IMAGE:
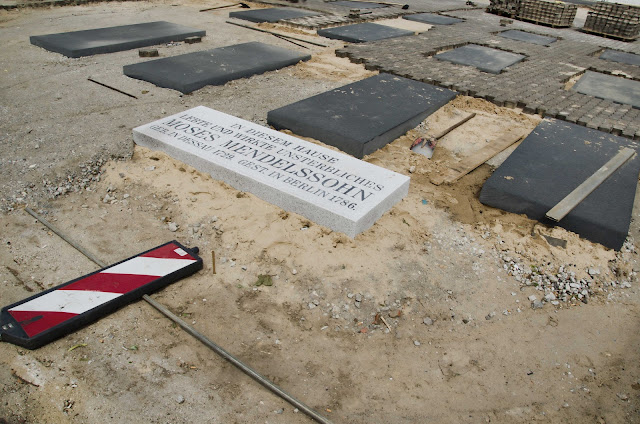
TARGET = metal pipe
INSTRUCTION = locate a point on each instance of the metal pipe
(195, 333)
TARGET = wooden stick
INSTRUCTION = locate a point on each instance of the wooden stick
(454, 126)
(276, 34)
(574, 198)
(442, 133)
(213, 261)
(470, 163)
(385, 322)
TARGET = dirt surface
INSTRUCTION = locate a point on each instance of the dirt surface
(425, 317)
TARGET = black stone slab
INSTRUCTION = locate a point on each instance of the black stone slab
(603, 86)
(527, 37)
(484, 58)
(271, 15)
(114, 39)
(357, 4)
(191, 71)
(361, 33)
(621, 57)
(362, 117)
(432, 18)
(550, 163)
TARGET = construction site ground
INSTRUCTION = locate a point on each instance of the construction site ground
(425, 317)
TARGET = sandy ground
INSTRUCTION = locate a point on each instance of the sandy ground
(459, 342)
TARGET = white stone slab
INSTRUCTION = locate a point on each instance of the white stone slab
(327, 187)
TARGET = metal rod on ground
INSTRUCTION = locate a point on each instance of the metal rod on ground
(242, 5)
(65, 238)
(192, 331)
(246, 369)
(581, 192)
(112, 88)
(276, 33)
(290, 41)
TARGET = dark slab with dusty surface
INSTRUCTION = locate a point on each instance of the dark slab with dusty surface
(603, 86)
(114, 39)
(362, 33)
(191, 71)
(362, 117)
(484, 58)
(271, 15)
(550, 163)
(432, 18)
(621, 57)
(528, 37)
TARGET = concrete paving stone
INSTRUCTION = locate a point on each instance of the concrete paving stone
(432, 18)
(362, 117)
(271, 14)
(556, 155)
(114, 39)
(621, 57)
(361, 33)
(192, 71)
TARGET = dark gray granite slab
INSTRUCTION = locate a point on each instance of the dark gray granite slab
(191, 71)
(528, 37)
(621, 57)
(272, 14)
(603, 86)
(361, 33)
(357, 4)
(550, 163)
(432, 18)
(484, 58)
(362, 117)
(114, 39)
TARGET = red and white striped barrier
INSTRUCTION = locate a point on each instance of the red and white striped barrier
(58, 311)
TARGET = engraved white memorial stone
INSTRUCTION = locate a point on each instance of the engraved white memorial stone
(327, 187)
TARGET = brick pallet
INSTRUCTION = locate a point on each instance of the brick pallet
(615, 20)
(546, 12)
(504, 7)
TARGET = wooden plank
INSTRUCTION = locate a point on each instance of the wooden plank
(574, 198)
(473, 161)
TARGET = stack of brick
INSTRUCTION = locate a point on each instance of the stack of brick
(548, 12)
(508, 8)
(614, 19)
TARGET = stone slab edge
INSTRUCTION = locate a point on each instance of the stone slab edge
(350, 222)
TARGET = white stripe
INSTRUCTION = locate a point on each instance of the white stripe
(71, 301)
(149, 266)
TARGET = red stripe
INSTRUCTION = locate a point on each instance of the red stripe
(35, 322)
(112, 283)
(167, 251)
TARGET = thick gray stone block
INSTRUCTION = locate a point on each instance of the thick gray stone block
(362, 33)
(550, 163)
(528, 37)
(609, 87)
(432, 18)
(114, 39)
(362, 117)
(191, 71)
(271, 15)
(484, 58)
(327, 187)
(621, 57)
